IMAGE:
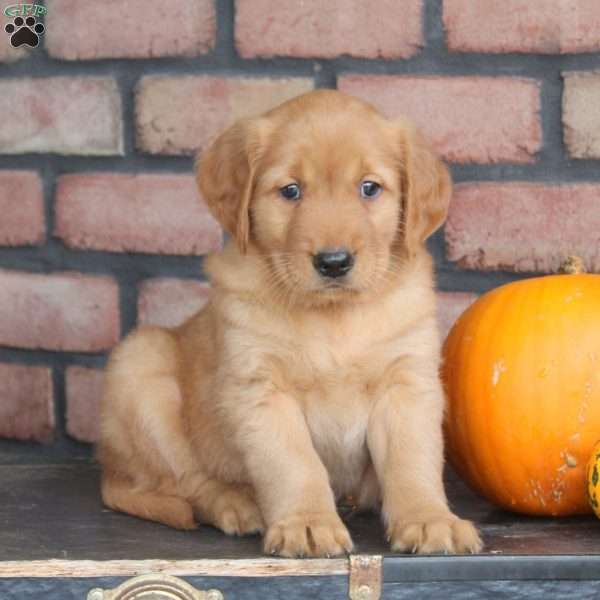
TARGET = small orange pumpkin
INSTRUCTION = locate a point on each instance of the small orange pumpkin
(522, 375)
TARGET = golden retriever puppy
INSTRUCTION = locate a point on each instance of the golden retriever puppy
(313, 371)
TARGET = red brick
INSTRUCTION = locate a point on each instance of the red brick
(61, 311)
(168, 302)
(22, 209)
(548, 27)
(79, 30)
(523, 226)
(134, 213)
(467, 119)
(65, 115)
(26, 403)
(84, 391)
(312, 28)
(179, 115)
(580, 114)
(7, 52)
(450, 306)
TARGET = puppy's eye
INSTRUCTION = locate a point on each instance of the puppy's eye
(291, 191)
(370, 189)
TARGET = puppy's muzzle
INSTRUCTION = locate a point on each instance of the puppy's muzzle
(333, 263)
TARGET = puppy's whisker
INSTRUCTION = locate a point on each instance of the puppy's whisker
(277, 277)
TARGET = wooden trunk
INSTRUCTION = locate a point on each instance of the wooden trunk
(57, 542)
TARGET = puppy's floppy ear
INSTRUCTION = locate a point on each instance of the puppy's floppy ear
(426, 188)
(226, 172)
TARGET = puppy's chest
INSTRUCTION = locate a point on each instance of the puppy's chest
(336, 383)
(332, 364)
(337, 418)
(342, 356)
(335, 372)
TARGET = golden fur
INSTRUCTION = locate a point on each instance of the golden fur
(288, 390)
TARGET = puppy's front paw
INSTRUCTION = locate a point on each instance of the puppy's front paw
(433, 533)
(308, 534)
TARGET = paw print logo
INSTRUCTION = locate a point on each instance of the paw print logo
(24, 31)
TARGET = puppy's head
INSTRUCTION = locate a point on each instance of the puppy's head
(333, 197)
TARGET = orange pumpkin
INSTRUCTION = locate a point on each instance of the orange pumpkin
(522, 375)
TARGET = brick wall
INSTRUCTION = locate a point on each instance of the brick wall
(100, 224)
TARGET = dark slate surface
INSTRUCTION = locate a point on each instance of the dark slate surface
(55, 512)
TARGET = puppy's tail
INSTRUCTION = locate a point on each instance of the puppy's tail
(147, 504)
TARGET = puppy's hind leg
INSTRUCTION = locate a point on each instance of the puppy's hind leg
(120, 495)
(230, 507)
(144, 450)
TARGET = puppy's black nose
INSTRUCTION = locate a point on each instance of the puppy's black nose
(333, 263)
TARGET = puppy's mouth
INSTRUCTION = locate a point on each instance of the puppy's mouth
(337, 287)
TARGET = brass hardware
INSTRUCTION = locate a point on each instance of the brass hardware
(365, 577)
(154, 587)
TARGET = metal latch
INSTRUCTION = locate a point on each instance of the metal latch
(154, 587)
(365, 577)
